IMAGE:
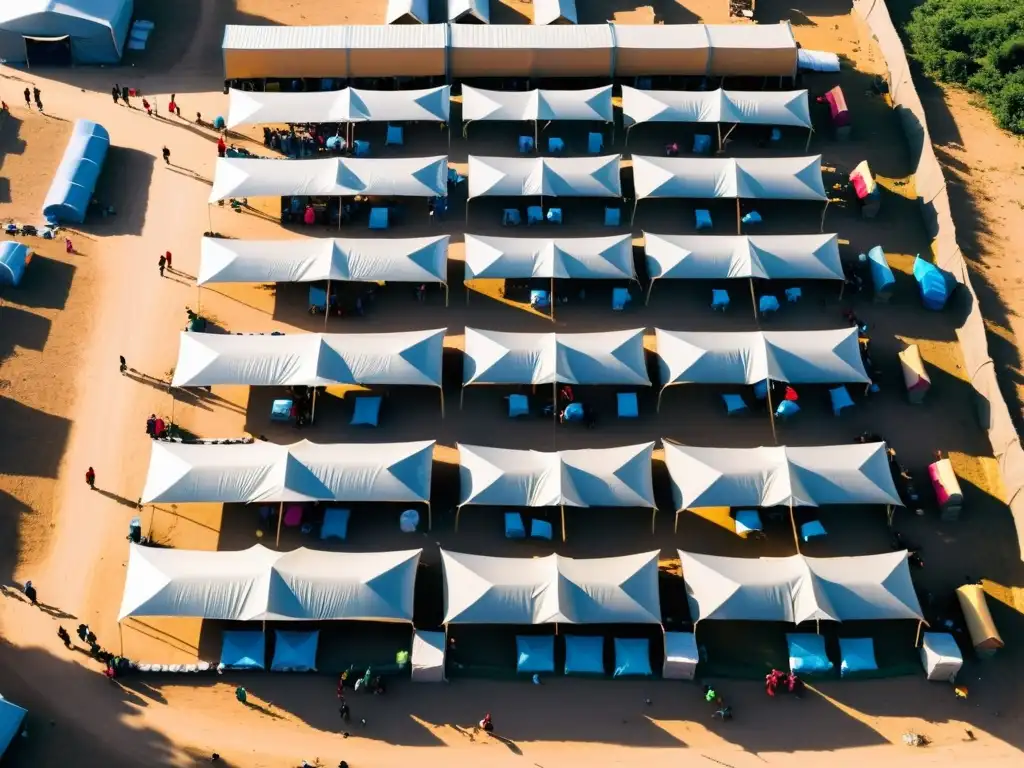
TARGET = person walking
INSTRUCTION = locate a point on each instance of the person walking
(64, 636)
(167, 259)
(161, 263)
(124, 96)
(28, 98)
(37, 95)
(146, 106)
(241, 694)
(124, 364)
(30, 592)
(345, 712)
(82, 632)
(115, 93)
(167, 155)
(90, 478)
(222, 147)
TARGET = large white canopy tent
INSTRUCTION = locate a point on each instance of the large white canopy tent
(330, 177)
(349, 105)
(797, 588)
(544, 176)
(590, 104)
(596, 477)
(407, 12)
(550, 590)
(259, 584)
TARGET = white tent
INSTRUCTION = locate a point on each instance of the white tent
(463, 10)
(780, 476)
(399, 260)
(349, 105)
(259, 584)
(707, 178)
(797, 589)
(551, 590)
(406, 358)
(554, 12)
(427, 657)
(544, 176)
(263, 177)
(614, 357)
(407, 12)
(775, 108)
(586, 104)
(183, 473)
(587, 258)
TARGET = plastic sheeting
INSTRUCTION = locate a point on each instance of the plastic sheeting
(632, 657)
(681, 656)
(776, 108)
(748, 178)
(428, 653)
(243, 649)
(74, 181)
(97, 28)
(14, 257)
(587, 258)
(349, 105)
(587, 104)
(544, 176)
(295, 651)
(940, 656)
(11, 718)
(584, 655)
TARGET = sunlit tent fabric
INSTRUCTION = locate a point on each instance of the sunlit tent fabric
(539, 104)
(768, 257)
(427, 657)
(404, 358)
(613, 357)
(660, 49)
(399, 260)
(14, 257)
(96, 29)
(767, 50)
(752, 178)
(776, 108)
(550, 590)
(469, 10)
(349, 105)
(595, 477)
(378, 176)
(259, 584)
(780, 476)
(182, 473)
(591, 258)
(74, 181)
(407, 12)
(11, 718)
(796, 589)
(544, 176)
(554, 12)
(530, 50)
(749, 357)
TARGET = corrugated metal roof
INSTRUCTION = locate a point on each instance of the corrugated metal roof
(676, 37)
(757, 36)
(378, 36)
(371, 36)
(512, 36)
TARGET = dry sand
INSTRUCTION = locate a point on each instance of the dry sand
(66, 408)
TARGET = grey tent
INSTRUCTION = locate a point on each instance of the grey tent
(50, 33)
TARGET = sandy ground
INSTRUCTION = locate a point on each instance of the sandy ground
(65, 408)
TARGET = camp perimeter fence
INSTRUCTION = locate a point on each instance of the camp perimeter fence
(992, 411)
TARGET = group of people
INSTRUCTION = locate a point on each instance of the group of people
(788, 682)
(34, 95)
(313, 140)
(156, 427)
(301, 413)
(722, 710)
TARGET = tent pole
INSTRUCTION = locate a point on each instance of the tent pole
(430, 517)
(739, 218)
(458, 513)
(445, 293)
(440, 391)
(823, 212)
(462, 394)
(718, 127)
(810, 133)
(771, 411)
(563, 522)
(280, 518)
(327, 300)
(657, 408)
(650, 287)
(654, 513)
(467, 211)
(792, 522)
(552, 299)
(817, 626)
(120, 635)
(209, 217)
(753, 297)
(341, 207)
(536, 138)
(842, 288)
(554, 406)
(675, 525)
(632, 218)
(312, 410)
(917, 639)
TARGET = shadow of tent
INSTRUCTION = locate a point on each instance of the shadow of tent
(23, 427)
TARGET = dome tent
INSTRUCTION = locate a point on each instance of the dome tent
(64, 32)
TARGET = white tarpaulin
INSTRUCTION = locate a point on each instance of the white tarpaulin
(780, 476)
(406, 358)
(550, 590)
(407, 12)
(259, 584)
(545, 176)
(182, 473)
(775, 108)
(405, 260)
(749, 357)
(427, 657)
(749, 178)
(333, 177)
(464, 10)
(590, 258)
(349, 105)
(588, 104)
(596, 477)
(797, 589)
(554, 12)
(769, 257)
(613, 357)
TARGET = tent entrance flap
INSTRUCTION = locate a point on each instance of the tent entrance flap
(48, 51)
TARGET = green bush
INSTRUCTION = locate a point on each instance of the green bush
(978, 44)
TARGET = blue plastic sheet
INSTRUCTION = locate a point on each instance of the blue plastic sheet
(535, 653)
(244, 650)
(14, 257)
(584, 655)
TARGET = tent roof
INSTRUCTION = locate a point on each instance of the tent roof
(538, 104)
(669, 37)
(414, 10)
(407, 358)
(548, 176)
(797, 357)
(97, 11)
(593, 258)
(753, 37)
(11, 718)
(261, 584)
(551, 11)
(775, 257)
(760, 178)
(461, 9)
(796, 589)
(776, 108)
(265, 177)
(551, 590)
(263, 472)
(353, 105)
(780, 476)
(613, 357)
(511, 37)
(405, 260)
(597, 477)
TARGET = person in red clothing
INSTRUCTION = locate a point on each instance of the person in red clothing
(222, 147)
(90, 478)
(167, 261)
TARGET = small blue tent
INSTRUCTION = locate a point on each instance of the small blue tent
(64, 32)
(881, 274)
(934, 284)
(11, 717)
(14, 257)
(295, 651)
(244, 650)
(75, 179)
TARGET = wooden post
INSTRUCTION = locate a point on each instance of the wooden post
(917, 640)
(312, 409)
(792, 522)
(753, 297)
(771, 411)
(563, 522)
(739, 218)
(327, 300)
(441, 392)
(280, 519)
(430, 517)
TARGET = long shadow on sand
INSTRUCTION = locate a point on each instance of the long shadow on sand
(122, 185)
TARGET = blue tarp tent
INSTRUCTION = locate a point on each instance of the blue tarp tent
(535, 653)
(11, 717)
(295, 651)
(13, 259)
(244, 650)
(881, 274)
(75, 179)
(48, 32)
(933, 283)
(584, 655)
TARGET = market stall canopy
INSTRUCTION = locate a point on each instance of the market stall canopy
(751, 50)
(796, 357)
(406, 358)
(554, 12)
(469, 10)
(775, 108)
(749, 178)
(768, 257)
(331, 177)
(544, 176)
(586, 258)
(530, 50)
(183, 473)
(613, 357)
(404, 260)
(796, 589)
(588, 104)
(349, 105)
(550, 590)
(597, 477)
(780, 476)
(259, 584)
(661, 49)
